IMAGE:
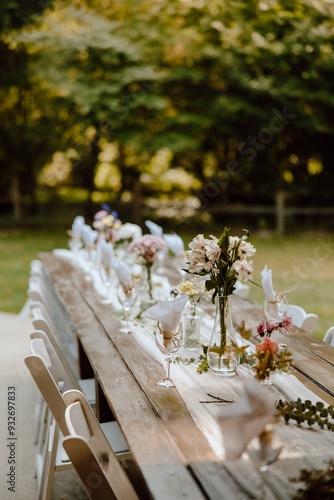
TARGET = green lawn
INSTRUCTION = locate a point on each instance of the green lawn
(305, 267)
(302, 265)
(17, 249)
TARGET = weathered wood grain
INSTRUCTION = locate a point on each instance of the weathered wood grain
(173, 455)
(159, 459)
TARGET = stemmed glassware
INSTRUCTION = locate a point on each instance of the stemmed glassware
(90, 254)
(168, 343)
(277, 309)
(266, 453)
(107, 275)
(127, 298)
(75, 244)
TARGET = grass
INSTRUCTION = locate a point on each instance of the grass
(17, 249)
(302, 265)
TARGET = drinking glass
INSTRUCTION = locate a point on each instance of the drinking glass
(75, 244)
(107, 275)
(127, 298)
(277, 309)
(168, 343)
(266, 452)
(90, 261)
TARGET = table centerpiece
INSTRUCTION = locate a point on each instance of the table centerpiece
(224, 261)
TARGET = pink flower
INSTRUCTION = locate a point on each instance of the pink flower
(262, 328)
(100, 215)
(213, 249)
(147, 246)
(244, 269)
(285, 323)
(267, 345)
(198, 243)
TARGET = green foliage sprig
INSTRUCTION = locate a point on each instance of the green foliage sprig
(306, 412)
(318, 483)
(203, 366)
(268, 363)
(184, 361)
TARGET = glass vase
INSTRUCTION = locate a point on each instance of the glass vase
(145, 288)
(221, 355)
(191, 328)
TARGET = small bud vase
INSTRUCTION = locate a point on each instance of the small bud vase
(221, 356)
(191, 328)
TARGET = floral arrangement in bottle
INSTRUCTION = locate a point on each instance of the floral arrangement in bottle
(108, 224)
(146, 249)
(269, 358)
(225, 260)
(195, 289)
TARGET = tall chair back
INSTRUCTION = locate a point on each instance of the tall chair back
(91, 453)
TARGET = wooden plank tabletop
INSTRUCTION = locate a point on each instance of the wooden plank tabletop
(156, 423)
(313, 360)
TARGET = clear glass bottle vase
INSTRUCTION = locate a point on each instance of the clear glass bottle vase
(145, 287)
(191, 328)
(221, 355)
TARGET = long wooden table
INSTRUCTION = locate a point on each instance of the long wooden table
(173, 456)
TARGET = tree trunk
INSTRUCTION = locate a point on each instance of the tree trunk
(137, 202)
(16, 198)
(280, 199)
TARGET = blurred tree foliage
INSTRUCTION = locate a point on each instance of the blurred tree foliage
(238, 92)
(26, 129)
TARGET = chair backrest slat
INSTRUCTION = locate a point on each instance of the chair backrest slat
(93, 453)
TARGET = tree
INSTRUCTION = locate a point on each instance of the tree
(24, 124)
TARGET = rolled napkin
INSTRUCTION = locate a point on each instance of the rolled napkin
(106, 253)
(267, 283)
(89, 235)
(168, 315)
(77, 226)
(129, 231)
(175, 244)
(123, 273)
(154, 228)
(246, 418)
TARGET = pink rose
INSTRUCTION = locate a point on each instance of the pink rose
(100, 215)
(267, 345)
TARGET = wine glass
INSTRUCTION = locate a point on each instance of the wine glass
(90, 261)
(107, 275)
(168, 343)
(160, 262)
(277, 309)
(127, 297)
(265, 453)
(75, 244)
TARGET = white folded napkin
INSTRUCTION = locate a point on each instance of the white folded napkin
(267, 283)
(106, 253)
(129, 231)
(77, 226)
(168, 314)
(154, 228)
(89, 235)
(174, 243)
(123, 273)
(246, 418)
